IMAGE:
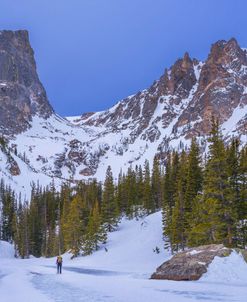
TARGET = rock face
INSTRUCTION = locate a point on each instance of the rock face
(178, 106)
(190, 265)
(10, 164)
(187, 95)
(221, 88)
(152, 122)
(21, 93)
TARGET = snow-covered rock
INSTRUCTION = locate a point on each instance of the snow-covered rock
(208, 262)
(175, 108)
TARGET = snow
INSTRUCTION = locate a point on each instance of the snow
(194, 252)
(231, 270)
(47, 144)
(239, 113)
(42, 144)
(119, 275)
(130, 247)
(197, 70)
(6, 250)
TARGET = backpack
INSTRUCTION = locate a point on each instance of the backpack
(59, 259)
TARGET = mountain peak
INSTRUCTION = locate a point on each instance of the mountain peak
(162, 117)
(21, 93)
(186, 57)
(224, 52)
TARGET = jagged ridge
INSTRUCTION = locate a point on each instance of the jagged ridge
(176, 107)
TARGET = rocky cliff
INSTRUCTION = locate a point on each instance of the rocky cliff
(176, 107)
(21, 94)
(187, 95)
(163, 117)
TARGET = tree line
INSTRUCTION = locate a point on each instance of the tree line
(203, 200)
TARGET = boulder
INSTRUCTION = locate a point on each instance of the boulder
(190, 264)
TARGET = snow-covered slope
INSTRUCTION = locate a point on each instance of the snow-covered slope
(167, 115)
(131, 248)
(121, 274)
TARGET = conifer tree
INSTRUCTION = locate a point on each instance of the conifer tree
(170, 185)
(109, 208)
(242, 205)
(156, 185)
(120, 196)
(139, 185)
(74, 229)
(193, 183)
(131, 193)
(233, 192)
(147, 193)
(167, 208)
(7, 217)
(217, 215)
(95, 232)
(178, 222)
(35, 222)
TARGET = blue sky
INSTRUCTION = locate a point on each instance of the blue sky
(92, 53)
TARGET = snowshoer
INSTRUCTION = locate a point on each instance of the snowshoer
(59, 264)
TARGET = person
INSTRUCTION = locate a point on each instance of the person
(59, 264)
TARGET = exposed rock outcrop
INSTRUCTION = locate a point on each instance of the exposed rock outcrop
(221, 88)
(150, 123)
(21, 93)
(181, 103)
(191, 264)
(13, 167)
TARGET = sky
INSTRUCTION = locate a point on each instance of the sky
(92, 53)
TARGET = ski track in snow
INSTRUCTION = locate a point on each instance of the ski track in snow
(62, 292)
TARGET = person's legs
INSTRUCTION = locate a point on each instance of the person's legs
(57, 268)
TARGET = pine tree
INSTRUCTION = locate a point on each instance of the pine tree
(147, 194)
(95, 232)
(131, 190)
(74, 229)
(167, 208)
(170, 185)
(109, 208)
(242, 204)
(217, 212)
(66, 198)
(178, 222)
(120, 196)
(156, 187)
(193, 183)
(8, 210)
(23, 230)
(35, 222)
(139, 192)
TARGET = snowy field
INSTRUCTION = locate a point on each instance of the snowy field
(119, 274)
